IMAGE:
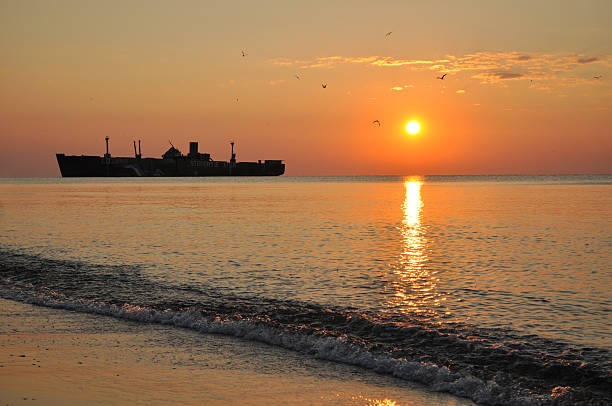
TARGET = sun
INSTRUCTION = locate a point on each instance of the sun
(413, 127)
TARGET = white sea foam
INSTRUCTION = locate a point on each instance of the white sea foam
(336, 349)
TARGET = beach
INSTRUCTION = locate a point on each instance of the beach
(46, 361)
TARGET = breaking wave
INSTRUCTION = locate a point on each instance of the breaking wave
(489, 366)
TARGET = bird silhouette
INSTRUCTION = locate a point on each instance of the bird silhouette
(243, 53)
(376, 122)
(388, 34)
(323, 85)
(597, 77)
(442, 77)
(297, 77)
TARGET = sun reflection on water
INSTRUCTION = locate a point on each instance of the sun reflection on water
(414, 288)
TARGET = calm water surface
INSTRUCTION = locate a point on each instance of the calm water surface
(514, 256)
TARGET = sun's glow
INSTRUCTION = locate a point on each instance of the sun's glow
(413, 127)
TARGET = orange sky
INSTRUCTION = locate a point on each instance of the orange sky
(528, 86)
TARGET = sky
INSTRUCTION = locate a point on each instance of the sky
(528, 85)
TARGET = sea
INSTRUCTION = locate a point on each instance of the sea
(496, 289)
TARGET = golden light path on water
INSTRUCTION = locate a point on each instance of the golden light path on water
(414, 288)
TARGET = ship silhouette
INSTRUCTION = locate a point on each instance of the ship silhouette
(172, 163)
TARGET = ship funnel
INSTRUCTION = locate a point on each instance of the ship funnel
(193, 148)
(135, 153)
(139, 151)
(107, 155)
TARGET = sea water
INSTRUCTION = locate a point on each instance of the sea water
(498, 289)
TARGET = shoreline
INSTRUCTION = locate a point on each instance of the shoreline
(57, 357)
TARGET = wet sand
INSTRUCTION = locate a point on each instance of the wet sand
(55, 357)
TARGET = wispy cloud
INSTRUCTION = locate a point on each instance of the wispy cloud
(324, 62)
(587, 60)
(276, 82)
(489, 67)
(495, 77)
(508, 75)
(283, 62)
(388, 61)
(400, 88)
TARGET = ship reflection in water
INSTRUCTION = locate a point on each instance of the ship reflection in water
(414, 287)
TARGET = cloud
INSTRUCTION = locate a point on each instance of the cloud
(490, 61)
(508, 75)
(364, 59)
(400, 88)
(489, 67)
(283, 62)
(496, 77)
(288, 62)
(276, 82)
(330, 61)
(460, 91)
(388, 61)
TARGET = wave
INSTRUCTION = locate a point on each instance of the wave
(489, 366)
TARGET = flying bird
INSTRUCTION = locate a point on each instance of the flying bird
(376, 122)
(244, 53)
(323, 85)
(442, 77)
(388, 34)
(297, 77)
(597, 77)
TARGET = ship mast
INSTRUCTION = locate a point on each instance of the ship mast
(107, 159)
(137, 154)
(232, 163)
